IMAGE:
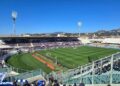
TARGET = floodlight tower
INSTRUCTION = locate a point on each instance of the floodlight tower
(14, 16)
(79, 26)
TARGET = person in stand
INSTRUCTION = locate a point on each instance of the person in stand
(75, 84)
(14, 83)
(64, 85)
(108, 85)
(40, 83)
(26, 83)
(82, 84)
(56, 83)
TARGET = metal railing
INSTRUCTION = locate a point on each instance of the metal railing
(92, 71)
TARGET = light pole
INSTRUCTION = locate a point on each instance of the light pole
(79, 26)
(14, 16)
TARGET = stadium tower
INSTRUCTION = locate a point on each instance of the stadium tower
(14, 16)
(79, 25)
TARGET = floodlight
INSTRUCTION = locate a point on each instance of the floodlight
(14, 16)
(79, 25)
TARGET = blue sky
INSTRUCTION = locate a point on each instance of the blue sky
(44, 16)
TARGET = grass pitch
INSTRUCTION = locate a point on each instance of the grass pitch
(67, 57)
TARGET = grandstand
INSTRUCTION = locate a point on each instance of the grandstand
(100, 72)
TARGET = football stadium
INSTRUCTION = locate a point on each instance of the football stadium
(36, 53)
(66, 59)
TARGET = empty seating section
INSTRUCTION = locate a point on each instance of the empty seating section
(104, 45)
(56, 44)
(25, 75)
(98, 79)
(3, 70)
(2, 52)
(24, 44)
(30, 74)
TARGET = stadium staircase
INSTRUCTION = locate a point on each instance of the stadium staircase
(102, 71)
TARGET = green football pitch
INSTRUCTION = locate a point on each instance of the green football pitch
(67, 57)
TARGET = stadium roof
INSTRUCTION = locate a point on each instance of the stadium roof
(5, 37)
